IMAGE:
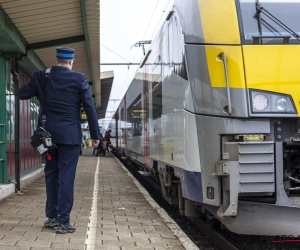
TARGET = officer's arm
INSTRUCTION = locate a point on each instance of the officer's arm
(90, 110)
(27, 91)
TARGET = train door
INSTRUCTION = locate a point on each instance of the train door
(124, 113)
(215, 66)
(155, 109)
(121, 127)
(146, 117)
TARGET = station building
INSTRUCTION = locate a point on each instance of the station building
(30, 31)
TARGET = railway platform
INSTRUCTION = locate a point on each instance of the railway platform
(111, 211)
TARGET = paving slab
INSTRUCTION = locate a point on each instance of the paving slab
(111, 211)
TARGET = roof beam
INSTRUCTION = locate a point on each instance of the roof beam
(87, 42)
(11, 39)
(54, 43)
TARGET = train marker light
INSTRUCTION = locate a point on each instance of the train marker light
(260, 102)
(271, 103)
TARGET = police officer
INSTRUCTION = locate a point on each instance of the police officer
(65, 92)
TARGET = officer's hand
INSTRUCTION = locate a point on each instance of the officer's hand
(95, 143)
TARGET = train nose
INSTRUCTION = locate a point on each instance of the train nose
(272, 68)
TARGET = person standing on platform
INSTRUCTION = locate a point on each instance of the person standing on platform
(107, 137)
(65, 92)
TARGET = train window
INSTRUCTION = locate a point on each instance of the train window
(285, 11)
(170, 44)
(135, 114)
(157, 89)
(122, 116)
(122, 127)
(176, 48)
(157, 98)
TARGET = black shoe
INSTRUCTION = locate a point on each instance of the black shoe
(64, 228)
(51, 222)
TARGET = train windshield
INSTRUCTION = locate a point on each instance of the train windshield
(284, 11)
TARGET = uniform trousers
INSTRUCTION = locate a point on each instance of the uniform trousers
(59, 177)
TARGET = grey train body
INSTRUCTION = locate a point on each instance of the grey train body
(210, 154)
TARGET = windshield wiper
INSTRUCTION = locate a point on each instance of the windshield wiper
(258, 17)
(261, 9)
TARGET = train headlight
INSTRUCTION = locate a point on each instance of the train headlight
(269, 103)
(281, 104)
(260, 102)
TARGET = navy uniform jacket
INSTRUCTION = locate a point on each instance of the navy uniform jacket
(65, 92)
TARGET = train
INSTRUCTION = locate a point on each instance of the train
(212, 113)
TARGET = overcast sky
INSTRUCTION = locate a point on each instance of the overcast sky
(122, 24)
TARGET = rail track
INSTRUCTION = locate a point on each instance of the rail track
(203, 236)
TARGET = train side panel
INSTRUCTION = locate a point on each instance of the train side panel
(134, 119)
(223, 114)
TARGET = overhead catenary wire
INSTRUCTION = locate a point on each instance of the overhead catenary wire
(120, 93)
(129, 63)
(158, 23)
(161, 17)
(120, 64)
(158, 4)
(143, 39)
(123, 83)
(114, 52)
(148, 26)
(150, 19)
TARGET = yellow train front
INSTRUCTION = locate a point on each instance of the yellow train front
(245, 78)
(219, 90)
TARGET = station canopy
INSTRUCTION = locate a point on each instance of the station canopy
(31, 30)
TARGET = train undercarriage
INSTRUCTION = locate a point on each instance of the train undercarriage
(260, 181)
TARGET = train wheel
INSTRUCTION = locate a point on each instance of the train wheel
(211, 221)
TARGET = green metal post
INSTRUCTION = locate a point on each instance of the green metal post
(3, 151)
(14, 70)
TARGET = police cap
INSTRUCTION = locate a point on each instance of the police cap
(65, 53)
